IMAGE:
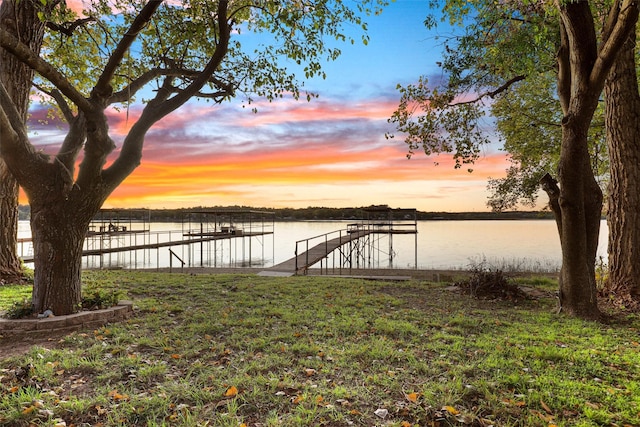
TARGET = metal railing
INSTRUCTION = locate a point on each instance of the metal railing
(320, 239)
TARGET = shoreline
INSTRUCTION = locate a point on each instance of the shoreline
(435, 275)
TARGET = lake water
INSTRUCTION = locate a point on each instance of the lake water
(521, 244)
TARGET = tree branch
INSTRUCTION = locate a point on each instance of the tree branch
(103, 89)
(62, 103)
(28, 57)
(564, 70)
(493, 93)
(624, 24)
(67, 28)
(161, 105)
(127, 92)
(73, 142)
(15, 142)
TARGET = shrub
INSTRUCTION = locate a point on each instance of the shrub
(20, 309)
(490, 284)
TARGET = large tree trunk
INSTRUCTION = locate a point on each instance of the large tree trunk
(10, 267)
(583, 65)
(22, 20)
(580, 203)
(623, 139)
(58, 235)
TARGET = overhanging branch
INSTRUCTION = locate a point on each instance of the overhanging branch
(67, 28)
(493, 93)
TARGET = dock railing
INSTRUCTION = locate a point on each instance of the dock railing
(325, 244)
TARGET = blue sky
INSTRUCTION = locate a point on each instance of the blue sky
(331, 151)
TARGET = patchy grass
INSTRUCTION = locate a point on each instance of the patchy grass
(9, 294)
(233, 350)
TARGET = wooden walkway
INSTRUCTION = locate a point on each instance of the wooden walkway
(204, 237)
(316, 253)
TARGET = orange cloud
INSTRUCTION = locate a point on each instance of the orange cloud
(236, 177)
(330, 153)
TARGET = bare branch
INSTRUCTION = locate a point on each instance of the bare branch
(68, 28)
(14, 142)
(493, 93)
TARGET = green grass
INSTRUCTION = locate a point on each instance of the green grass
(309, 351)
(13, 293)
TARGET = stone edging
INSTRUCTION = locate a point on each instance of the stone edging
(72, 322)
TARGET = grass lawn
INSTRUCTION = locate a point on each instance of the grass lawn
(244, 350)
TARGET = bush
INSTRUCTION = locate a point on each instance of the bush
(490, 284)
(20, 309)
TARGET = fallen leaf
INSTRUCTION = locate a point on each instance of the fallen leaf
(310, 372)
(231, 392)
(28, 410)
(117, 396)
(412, 397)
(544, 417)
(405, 424)
(175, 356)
(297, 399)
(545, 407)
(451, 410)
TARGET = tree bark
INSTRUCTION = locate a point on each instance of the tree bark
(623, 139)
(583, 65)
(58, 238)
(23, 22)
(580, 202)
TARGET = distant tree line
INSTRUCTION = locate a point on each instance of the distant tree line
(314, 213)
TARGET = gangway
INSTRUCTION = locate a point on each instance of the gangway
(358, 246)
(300, 263)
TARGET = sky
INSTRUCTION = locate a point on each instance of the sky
(329, 152)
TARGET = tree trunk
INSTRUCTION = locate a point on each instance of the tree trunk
(58, 237)
(623, 138)
(22, 20)
(583, 66)
(10, 267)
(580, 202)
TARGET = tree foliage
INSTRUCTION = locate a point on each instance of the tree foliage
(500, 87)
(161, 54)
(585, 52)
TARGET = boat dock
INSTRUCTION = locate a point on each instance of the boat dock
(229, 238)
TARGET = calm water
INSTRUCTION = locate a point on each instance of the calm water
(531, 244)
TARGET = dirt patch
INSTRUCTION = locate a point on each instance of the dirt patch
(16, 346)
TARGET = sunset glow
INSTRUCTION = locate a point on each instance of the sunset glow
(330, 152)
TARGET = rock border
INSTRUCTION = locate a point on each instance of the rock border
(85, 319)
